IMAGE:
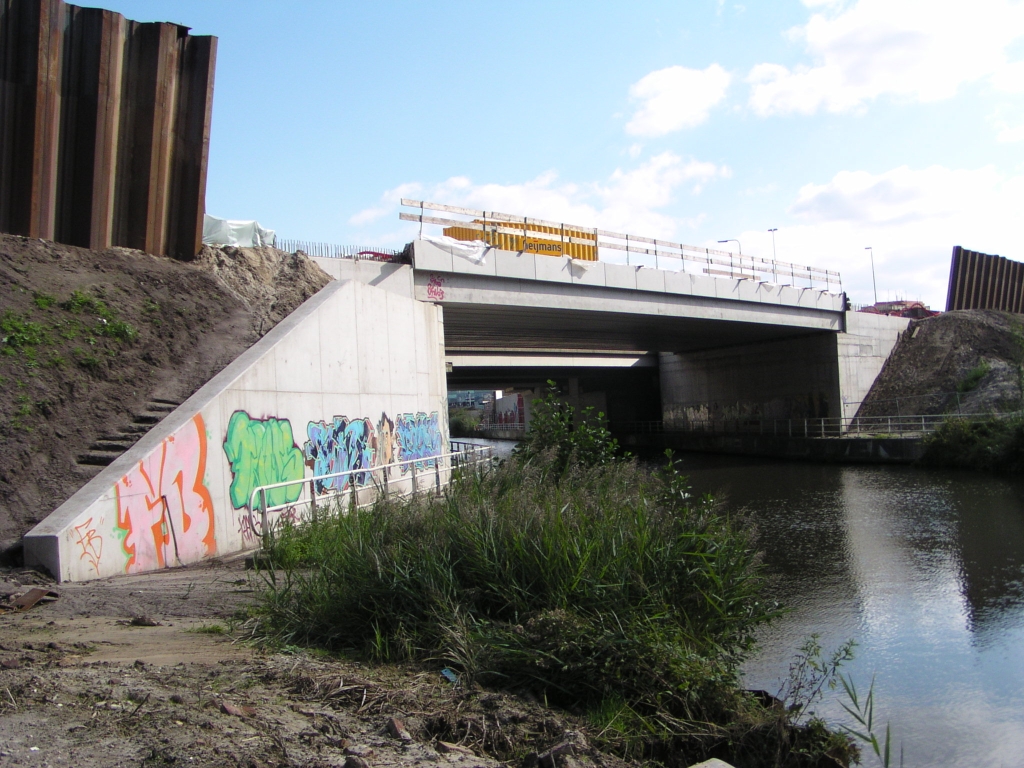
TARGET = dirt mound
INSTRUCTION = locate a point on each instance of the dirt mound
(967, 361)
(89, 339)
(270, 282)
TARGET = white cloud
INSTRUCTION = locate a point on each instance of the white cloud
(676, 98)
(389, 202)
(630, 200)
(1009, 133)
(912, 219)
(911, 49)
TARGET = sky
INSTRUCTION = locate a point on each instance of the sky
(894, 124)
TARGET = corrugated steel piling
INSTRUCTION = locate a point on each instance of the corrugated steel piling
(104, 128)
(980, 281)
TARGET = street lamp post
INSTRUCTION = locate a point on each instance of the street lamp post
(775, 264)
(734, 240)
(874, 285)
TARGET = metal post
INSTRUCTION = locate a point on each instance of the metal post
(312, 498)
(414, 485)
(264, 522)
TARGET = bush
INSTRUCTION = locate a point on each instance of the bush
(463, 422)
(611, 584)
(993, 444)
(555, 431)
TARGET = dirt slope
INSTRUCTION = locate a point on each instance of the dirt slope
(968, 359)
(82, 685)
(90, 339)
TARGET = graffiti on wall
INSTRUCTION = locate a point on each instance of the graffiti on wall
(91, 544)
(511, 411)
(345, 445)
(262, 452)
(419, 438)
(250, 526)
(164, 506)
(339, 446)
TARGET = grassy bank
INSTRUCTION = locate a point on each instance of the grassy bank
(588, 582)
(994, 445)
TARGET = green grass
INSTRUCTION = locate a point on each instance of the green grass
(209, 629)
(43, 300)
(17, 332)
(600, 585)
(973, 377)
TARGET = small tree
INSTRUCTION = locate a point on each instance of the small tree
(554, 429)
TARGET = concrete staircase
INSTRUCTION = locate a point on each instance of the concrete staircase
(108, 447)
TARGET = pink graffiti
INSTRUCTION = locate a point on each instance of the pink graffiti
(435, 288)
(251, 529)
(91, 544)
(164, 505)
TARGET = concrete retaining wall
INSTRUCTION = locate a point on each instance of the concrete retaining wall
(813, 376)
(840, 450)
(396, 278)
(356, 374)
(862, 350)
(786, 379)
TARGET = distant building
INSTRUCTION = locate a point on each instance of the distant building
(916, 310)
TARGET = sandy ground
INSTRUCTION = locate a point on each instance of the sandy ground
(153, 670)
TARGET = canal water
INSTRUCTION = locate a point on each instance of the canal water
(924, 569)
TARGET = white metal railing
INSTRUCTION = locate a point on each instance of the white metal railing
(358, 479)
(845, 426)
(708, 261)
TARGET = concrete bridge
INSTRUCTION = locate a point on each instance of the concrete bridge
(637, 342)
(350, 390)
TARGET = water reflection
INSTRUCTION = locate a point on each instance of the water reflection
(924, 569)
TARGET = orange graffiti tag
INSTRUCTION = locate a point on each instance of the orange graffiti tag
(91, 544)
(164, 505)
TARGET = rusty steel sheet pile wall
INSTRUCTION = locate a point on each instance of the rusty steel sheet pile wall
(104, 128)
(980, 281)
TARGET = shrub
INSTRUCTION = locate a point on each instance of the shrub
(612, 583)
(993, 444)
(554, 429)
(463, 422)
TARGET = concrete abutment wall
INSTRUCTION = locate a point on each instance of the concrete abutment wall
(824, 375)
(354, 378)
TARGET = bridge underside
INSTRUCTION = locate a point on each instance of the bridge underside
(474, 328)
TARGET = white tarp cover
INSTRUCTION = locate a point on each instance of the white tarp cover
(473, 250)
(244, 234)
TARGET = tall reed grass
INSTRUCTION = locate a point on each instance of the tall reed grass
(599, 583)
(595, 583)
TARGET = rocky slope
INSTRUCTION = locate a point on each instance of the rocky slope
(967, 361)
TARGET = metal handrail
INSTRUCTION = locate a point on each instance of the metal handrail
(334, 251)
(478, 454)
(834, 426)
(740, 266)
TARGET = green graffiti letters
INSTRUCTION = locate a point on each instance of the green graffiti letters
(261, 452)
